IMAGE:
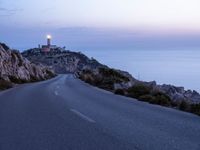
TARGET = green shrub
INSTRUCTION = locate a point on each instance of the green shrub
(138, 90)
(146, 98)
(5, 84)
(86, 71)
(195, 108)
(89, 80)
(174, 104)
(161, 99)
(105, 79)
(107, 86)
(158, 98)
(16, 80)
(113, 75)
(98, 81)
(184, 106)
(50, 73)
(119, 92)
(34, 79)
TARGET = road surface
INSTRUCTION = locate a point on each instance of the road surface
(65, 113)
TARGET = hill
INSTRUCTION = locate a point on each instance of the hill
(61, 61)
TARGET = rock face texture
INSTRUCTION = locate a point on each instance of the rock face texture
(179, 93)
(61, 61)
(113, 80)
(14, 68)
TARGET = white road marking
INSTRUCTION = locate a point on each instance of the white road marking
(82, 116)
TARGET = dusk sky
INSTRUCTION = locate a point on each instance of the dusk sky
(81, 23)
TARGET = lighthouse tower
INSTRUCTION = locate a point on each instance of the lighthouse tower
(49, 40)
(49, 46)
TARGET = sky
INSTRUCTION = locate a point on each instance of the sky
(101, 23)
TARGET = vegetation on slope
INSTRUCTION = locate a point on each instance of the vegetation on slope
(146, 94)
(5, 84)
(105, 78)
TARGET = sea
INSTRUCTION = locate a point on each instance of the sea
(179, 67)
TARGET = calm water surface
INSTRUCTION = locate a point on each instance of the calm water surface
(177, 67)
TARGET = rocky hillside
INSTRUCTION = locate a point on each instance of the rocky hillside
(14, 68)
(62, 61)
(105, 78)
(179, 93)
(115, 80)
(123, 83)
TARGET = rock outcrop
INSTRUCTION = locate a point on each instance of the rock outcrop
(111, 81)
(14, 68)
(179, 93)
(62, 61)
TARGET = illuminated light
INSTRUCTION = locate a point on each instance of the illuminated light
(49, 36)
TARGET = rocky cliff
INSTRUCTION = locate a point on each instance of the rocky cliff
(179, 93)
(14, 68)
(62, 61)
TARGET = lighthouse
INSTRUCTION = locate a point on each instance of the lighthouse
(49, 40)
(49, 46)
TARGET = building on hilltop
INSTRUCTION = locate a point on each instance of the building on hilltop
(48, 47)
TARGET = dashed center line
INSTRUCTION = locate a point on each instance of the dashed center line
(82, 116)
(56, 90)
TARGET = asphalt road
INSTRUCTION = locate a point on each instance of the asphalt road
(65, 113)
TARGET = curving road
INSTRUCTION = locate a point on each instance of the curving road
(66, 114)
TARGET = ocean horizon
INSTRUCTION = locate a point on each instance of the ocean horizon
(175, 67)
